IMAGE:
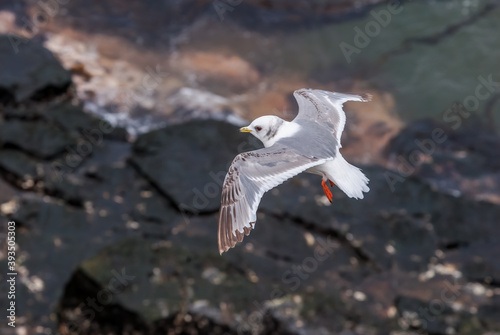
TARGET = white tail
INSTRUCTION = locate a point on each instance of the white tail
(347, 177)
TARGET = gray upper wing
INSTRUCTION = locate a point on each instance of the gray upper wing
(251, 175)
(325, 107)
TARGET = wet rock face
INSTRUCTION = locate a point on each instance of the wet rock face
(125, 240)
(29, 71)
(133, 228)
(118, 235)
(17, 166)
(37, 139)
(188, 162)
(386, 266)
(462, 160)
(383, 262)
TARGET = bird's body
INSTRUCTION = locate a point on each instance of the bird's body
(310, 143)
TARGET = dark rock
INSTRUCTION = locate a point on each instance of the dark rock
(110, 317)
(478, 262)
(386, 220)
(488, 314)
(67, 235)
(7, 194)
(72, 189)
(38, 139)
(73, 119)
(407, 141)
(420, 314)
(68, 136)
(191, 323)
(449, 159)
(398, 240)
(18, 168)
(69, 117)
(358, 266)
(29, 71)
(471, 325)
(188, 162)
(52, 234)
(188, 265)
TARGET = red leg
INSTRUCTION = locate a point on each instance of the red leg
(331, 182)
(327, 191)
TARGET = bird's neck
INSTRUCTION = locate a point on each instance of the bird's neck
(286, 129)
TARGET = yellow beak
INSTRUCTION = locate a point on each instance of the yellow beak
(245, 130)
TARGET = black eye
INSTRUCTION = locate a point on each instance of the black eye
(258, 128)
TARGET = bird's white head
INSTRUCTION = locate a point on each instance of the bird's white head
(268, 129)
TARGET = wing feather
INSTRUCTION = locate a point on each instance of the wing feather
(325, 108)
(251, 175)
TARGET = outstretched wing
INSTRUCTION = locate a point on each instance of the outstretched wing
(325, 107)
(251, 175)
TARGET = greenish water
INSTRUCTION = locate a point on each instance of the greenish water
(428, 56)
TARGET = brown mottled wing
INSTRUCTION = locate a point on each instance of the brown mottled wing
(325, 108)
(251, 175)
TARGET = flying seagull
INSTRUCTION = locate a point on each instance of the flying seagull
(310, 143)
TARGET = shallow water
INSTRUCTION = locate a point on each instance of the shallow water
(426, 77)
(426, 55)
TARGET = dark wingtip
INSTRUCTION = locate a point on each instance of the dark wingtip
(366, 97)
(224, 248)
(237, 237)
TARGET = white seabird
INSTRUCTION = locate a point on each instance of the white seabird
(310, 143)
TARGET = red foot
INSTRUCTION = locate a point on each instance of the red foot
(327, 191)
